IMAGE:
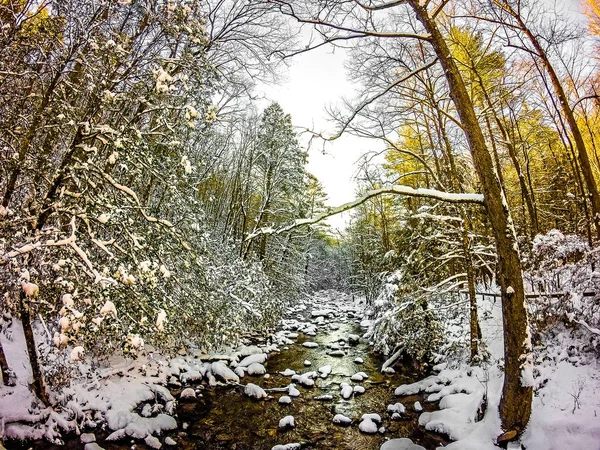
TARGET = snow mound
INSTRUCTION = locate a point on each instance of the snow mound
(292, 446)
(400, 444)
(255, 391)
(220, 370)
(287, 422)
(256, 369)
(369, 423)
(340, 419)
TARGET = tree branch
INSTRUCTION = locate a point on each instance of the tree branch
(449, 197)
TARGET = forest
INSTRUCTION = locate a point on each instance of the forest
(169, 277)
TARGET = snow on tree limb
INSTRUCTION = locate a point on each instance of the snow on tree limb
(449, 197)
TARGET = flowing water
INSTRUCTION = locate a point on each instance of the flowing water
(224, 418)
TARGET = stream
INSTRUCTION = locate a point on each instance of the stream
(224, 418)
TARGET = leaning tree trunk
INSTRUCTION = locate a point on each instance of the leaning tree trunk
(39, 385)
(6, 378)
(515, 405)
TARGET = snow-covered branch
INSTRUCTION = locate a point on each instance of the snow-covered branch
(449, 197)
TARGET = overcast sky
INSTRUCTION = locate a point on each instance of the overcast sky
(315, 81)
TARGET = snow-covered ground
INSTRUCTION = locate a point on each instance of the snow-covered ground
(133, 399)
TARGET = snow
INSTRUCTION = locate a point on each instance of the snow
(287, 422)
(288, 373)
(369, 423)
(324, 371)
(153, 442)
(340, 419)
(257, 358)
(400, 444)
(396, 408)
(305, 380)
(359, 390)
(346, 390)
(108, 308)
(285, 400)
(310, 344)
(358, 360)
(220, 370)
(255, 391)
(292, 446)
(359, 376)
(256, 369)
(418, 407)
(187, 393)
(292, 391)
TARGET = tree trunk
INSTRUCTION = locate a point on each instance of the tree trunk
(6, 374)
(584, 160)
(515, 405)
(39, 385)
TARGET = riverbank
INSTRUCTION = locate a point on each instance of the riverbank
(197, 400)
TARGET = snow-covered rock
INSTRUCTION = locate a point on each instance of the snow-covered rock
(153, 442)
(187, 393)
(369, 423)
(396, 408)
(346, 390)
(288, 373)
(400, 444)
(307, 363)
(285, 400)
(170, 441)
(259, 358)
(337, 353)
(358, 360)
(310, 344)
(256, 369)
(359, 376)
(255, 391)
(359, 389)
(324, 397)
(418, 407)
(292, 391)
(220, 370)
(324, 371)
(287, 422)
(388, 371)
(340, 419)
(292, 446)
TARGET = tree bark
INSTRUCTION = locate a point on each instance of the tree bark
(6, 374)
(515, 405)
(39, 385)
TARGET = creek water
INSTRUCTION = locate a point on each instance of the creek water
(224, 418)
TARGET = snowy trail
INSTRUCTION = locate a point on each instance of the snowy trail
(342, 382)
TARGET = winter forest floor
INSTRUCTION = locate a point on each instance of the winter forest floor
(313, 369)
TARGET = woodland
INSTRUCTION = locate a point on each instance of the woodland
(151, 203)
